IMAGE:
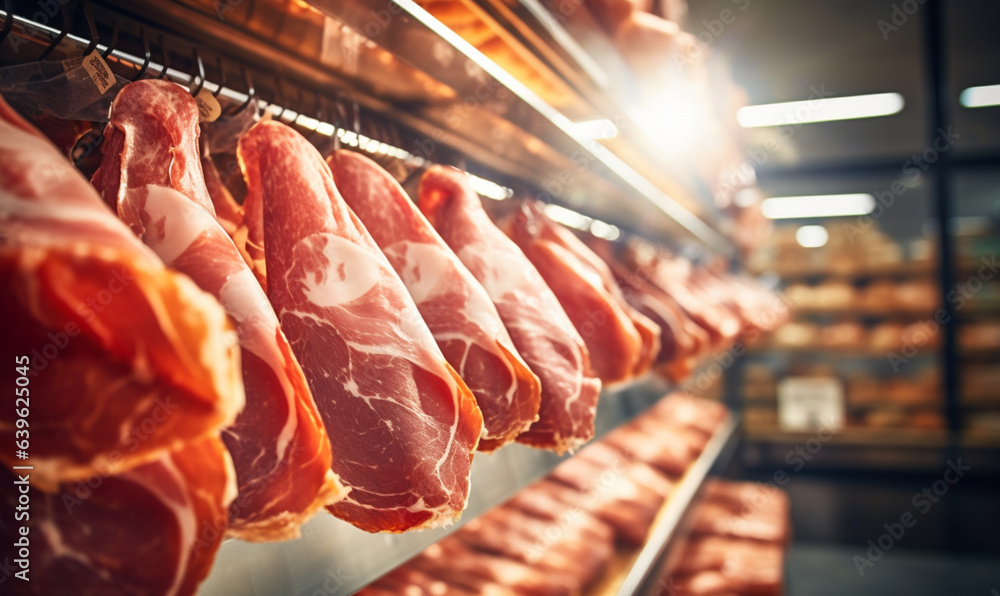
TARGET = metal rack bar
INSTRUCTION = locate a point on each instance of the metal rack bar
(540, 119)
(938, 118)
(654, 561)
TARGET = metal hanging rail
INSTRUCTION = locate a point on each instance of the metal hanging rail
(536, 150)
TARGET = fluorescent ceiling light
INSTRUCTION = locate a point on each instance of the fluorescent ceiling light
(594, 130)
(820, 110)
(812, 236)
(567, 217)
(579, 221)
(818, 206)
(980, 97)
(605, 230)
(489, 189)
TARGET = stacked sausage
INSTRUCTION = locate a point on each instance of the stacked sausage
(740, 531)
(559, 535)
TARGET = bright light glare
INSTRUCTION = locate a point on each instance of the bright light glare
(820, 110)
(605, 230)
(568, 217)
(675, 121)
(980, 97)
(812, 236)
(490, 189)
(594, 130)
(746, 197)
(818, 206)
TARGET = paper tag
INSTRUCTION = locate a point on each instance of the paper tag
(810, 403)
(99, 72)
(208, 107)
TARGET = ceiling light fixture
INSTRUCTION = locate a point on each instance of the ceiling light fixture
(820, 110)
(807, 207)
(980, 97)
(812, 236)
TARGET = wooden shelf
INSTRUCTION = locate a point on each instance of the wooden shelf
(905, 269)
(834, 352)
(865, 313)
(855, 435)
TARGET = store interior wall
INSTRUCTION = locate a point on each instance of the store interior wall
(787, 50)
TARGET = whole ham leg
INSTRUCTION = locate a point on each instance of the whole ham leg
(228, 212)
(402, 423)
(453, 304)
(649, 331)
(614, 343)
(278, 443)
(151, 531)
(127, 359)
(542, 333)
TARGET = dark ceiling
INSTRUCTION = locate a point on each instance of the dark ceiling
(781, 49)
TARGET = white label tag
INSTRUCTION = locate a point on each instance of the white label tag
(208, 107)
(99, 72)
(810, 403)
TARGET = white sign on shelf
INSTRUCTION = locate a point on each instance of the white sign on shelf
(810, 403)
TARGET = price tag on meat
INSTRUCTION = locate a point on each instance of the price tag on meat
(810, 403)
(99, 72)
(209, 109)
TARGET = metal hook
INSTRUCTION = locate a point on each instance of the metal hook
(114, 39)
(8, 21)
(95, 37)
(62, 34)
(166, 57)
(148, 55)
(201, 74)
(222, 77)
(251, 92)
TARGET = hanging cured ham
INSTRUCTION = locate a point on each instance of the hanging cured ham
(542, 333)
(228, 212)
(672, 275)
(648, 330)
(278, 443)
(455, 307)
(682, 341)
(127, 358)
(151, 531)
(617, 347)
(402, 423)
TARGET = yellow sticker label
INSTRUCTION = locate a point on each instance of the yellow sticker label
(208, 107)
(99, 72)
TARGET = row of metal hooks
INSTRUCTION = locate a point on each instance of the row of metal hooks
(343, 115)
(339, 115)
